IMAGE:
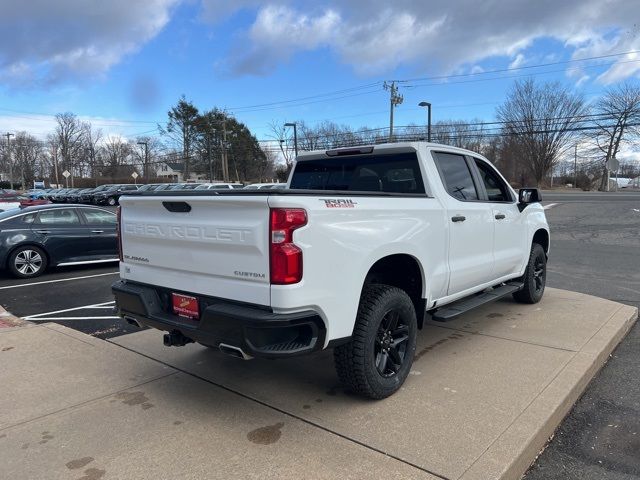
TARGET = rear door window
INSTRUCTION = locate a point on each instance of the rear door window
(94, 216)
(60, 217)
(392, 173)
(456, 176)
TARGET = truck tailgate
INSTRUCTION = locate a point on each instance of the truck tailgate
(209, 245)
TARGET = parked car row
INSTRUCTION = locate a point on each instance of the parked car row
(110, 194)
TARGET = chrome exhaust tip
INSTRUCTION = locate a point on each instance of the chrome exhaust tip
(132, 321)
(234, 351)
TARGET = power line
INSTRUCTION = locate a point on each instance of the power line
(513, 69)
(435, 84)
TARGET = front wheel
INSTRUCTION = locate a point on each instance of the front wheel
(111, 201)
(27, 262)
(535, 276)
(376, 361)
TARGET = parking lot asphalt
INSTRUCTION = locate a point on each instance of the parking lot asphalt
(77, 297)
(595, 249)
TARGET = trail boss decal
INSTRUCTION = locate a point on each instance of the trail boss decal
(338, 202)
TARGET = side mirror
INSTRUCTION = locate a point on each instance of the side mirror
(527, 196)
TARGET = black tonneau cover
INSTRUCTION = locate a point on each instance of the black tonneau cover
(266, 193)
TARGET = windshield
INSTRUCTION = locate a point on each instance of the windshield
(393, 173)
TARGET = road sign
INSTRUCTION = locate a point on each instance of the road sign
(66, 174)
(134, 175)
(613, 164)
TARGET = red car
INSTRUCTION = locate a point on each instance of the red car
(31, 202)
(6, 194)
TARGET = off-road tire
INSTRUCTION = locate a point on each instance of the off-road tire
(534, 278)
(356, 361)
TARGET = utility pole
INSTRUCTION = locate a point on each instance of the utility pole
(395, 99)
(225, 164)
(209, 154)
(9, 135)
(575, 166)
(145, 167)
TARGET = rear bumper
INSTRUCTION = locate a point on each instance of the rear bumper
(258, 331)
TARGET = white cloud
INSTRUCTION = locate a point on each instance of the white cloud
(278, 32)
(374, 37)
(518, 61)
(43, 41)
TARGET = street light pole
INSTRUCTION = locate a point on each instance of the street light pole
(295, 136)
(428, 105)
(9, 135)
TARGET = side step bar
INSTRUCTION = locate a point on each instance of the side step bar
(449, 312)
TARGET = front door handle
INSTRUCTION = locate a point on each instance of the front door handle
(500, 216)
(97, 231)
(458, 218)
(43, 232)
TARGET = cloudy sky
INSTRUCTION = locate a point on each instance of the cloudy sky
(122, 63)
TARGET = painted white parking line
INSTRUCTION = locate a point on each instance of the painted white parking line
(38, 315)
(70, 318)
(59, 280)
(547, 207)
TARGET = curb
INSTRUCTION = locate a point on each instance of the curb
(8, 320)
(511, 456)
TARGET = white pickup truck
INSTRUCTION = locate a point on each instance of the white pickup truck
(362, 246)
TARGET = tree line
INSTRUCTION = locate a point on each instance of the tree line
(538, 130)
(209, 145)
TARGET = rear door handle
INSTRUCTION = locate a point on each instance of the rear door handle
(43, 232)
(97, 231)
(500, 216)
(458, 218)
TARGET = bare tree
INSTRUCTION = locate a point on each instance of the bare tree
(147, 154)
(281, 134)
(539, 118)
(92, 138)
(115, 151)
(29, 156)
(69, 135)
(617, 116)
(459, 133)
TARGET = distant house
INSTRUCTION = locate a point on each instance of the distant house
(171, 171)
(174, 172)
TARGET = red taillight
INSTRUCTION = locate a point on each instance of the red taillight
(286, 257)
(118, 232)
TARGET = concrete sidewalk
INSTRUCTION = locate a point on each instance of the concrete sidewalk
(486, 391)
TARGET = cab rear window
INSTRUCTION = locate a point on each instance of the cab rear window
(392, 173)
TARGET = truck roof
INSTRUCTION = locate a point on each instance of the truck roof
(380, 148)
